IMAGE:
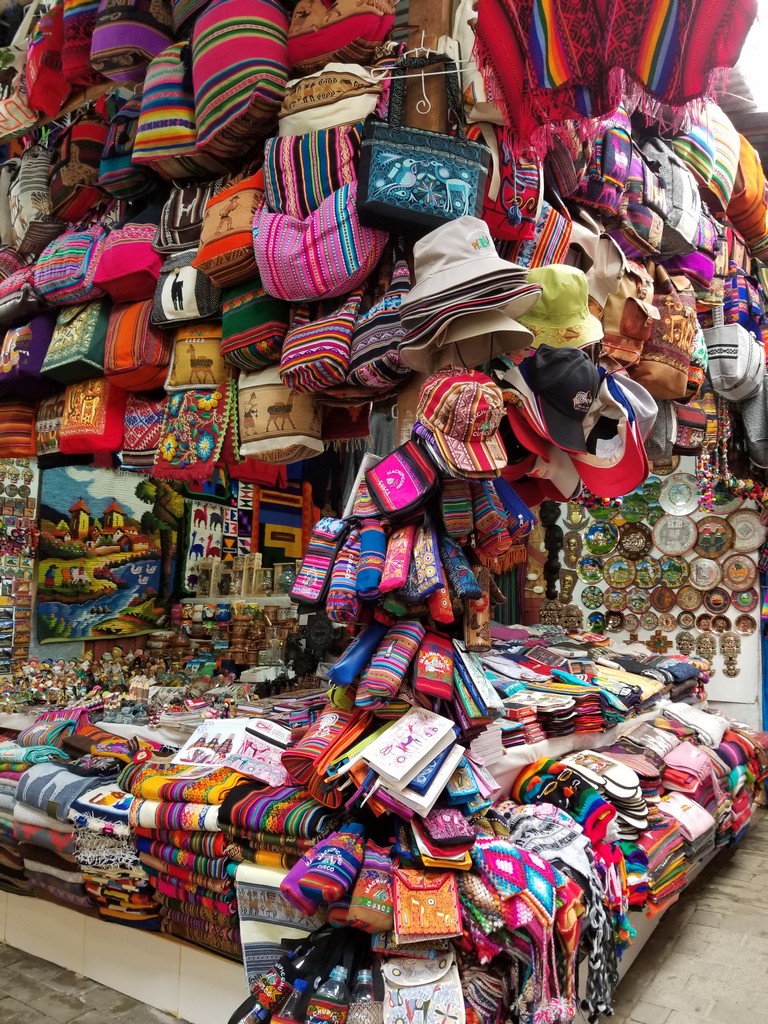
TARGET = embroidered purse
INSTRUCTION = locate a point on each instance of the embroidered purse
(434, 666)
(411, 179)
(183, 293)
(314, 576)
(426, 906)
(76, 351)
(136, 353)
(22, 354)
(94, 417)
(315, 354)
(253, 326)
(402, 483)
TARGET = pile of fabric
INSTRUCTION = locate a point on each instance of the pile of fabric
(662, 844)
(174, 818)
(12, 877)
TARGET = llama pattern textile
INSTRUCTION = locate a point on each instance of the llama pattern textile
(52, 788)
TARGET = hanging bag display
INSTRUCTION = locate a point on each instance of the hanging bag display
(315, 354)
(183, 293)
(136, 353)
(411, 179)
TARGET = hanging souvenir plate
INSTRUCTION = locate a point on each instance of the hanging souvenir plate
(615, 600)
(638, 601)
(674, 571)
(634, 508)
(654, 514)
(635, 541)
(667, 622)
(596, 622)
(704, 622)
(663, 598)
(592, 597)
(674, 535)
(748, 531)
(721, 624)
(576, 517)
(717, 600)
(647, 573)
(590, 569)
(715, 537)
(745, 624)
(614, 622)
(725, 502)
(680, 494)
(745, 600)
(603, 512)
(649, 620)
(601, 538)
(739, 572)
(689, 598)
(686, 620)
(705, 573)
(618, 571)
(631, 622)
(652, 489)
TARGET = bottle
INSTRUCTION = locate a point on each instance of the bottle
(291, 1009)
(330, 1003)
(363, 990)
(258, 1015)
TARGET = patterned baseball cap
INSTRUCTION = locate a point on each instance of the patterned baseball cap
(462, 409)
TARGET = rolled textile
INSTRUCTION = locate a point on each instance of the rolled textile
(155, 814)
(217, 937)
(68, 895)
(15, 753)
(277, 810)
(202, 913)
(52, 788)
(210, 867)
(179, 890)
(179, 782)
(218, 885)
(209, 844)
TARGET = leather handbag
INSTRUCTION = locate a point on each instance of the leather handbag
(411, 179)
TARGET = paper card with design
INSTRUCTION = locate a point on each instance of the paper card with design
(400, 753)
(251, 748)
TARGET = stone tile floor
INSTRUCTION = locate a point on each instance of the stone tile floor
(34, 991)
(707, 962)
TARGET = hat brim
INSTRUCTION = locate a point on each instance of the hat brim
(433, 321)
(615, 477)
(472, 272)
(472, 458)
(579, 334)
(472, 340)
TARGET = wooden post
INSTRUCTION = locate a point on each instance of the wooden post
(434, 18)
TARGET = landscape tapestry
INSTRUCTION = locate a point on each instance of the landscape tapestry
(107, 547)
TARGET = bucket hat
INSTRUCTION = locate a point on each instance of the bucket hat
(561, 317)
(468, 341)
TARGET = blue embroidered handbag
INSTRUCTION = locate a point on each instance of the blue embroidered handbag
(412, 179)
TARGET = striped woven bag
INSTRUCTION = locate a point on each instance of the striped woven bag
(66, 268)
(315, 353)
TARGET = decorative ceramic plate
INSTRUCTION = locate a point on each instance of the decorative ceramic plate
(615, 600)
(654, 514)
(631, 622)
(667, 622)
(739, 572)
(635, 541)
(721, 624)
(675, 535)
(704, 622)
(596, 622)
(638, 601)
(717, 600)
(715, 537)
(592, 597)
(705, 573)
(603, 512)
(745, 600)
(618, 571)
(686, 620)
(647, 573)
(689, 598)
(674, 571)
(634, 508)
(590, 569)
(680, 494)
(745, 624)
(601, 538)
(614, 622)
(652, 489)
(663, 598)
(749, 532)
(725, 502)
(649, 620)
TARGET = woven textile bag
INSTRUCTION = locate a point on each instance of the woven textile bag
(253, 326)
(32, 224)
(315, 352)
(22, 353)
(10, 262)
(339, 94)
(239, 70)
(300, 171)
(47, 87)
(50, 412)
(18, 299)
(79, 23)
(340, 30)
(276, 424)
(181, 221)
(94, 417)
(727, 146)
(75, 169)
(127, 36)
(129, 268)
(374, 361)
(749, 202)
(666, 358)
(136, 353)
(8, 174)
(143, 432)
(183, 293)
(17, 429)
(225, 254)
(327, 255)
(197, 361)
(16, 116)
(118, 174)
(65, 271)
(76, 351)
(167, 133)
